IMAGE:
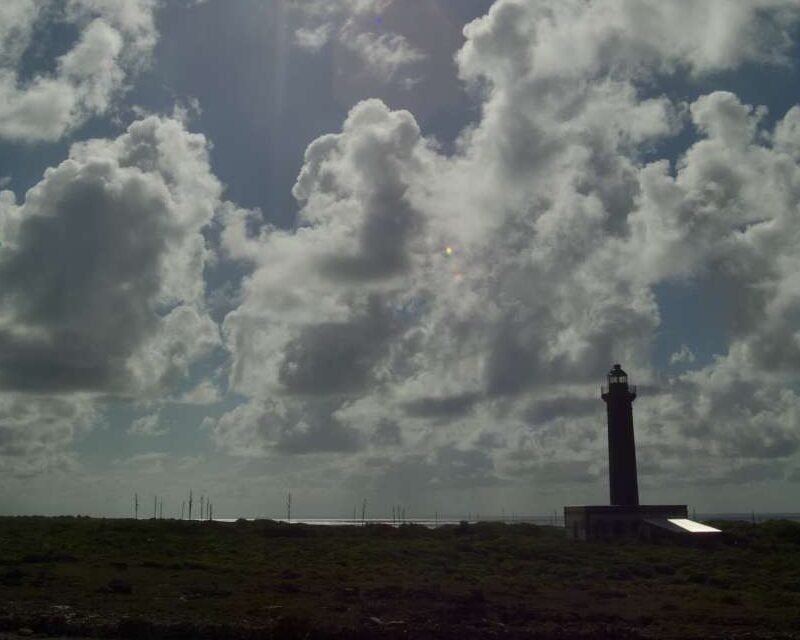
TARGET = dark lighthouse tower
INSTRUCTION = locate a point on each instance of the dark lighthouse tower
(619, 396)
(625, 517)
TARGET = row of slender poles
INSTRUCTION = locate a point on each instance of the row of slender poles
(206, 507)
(207, 510)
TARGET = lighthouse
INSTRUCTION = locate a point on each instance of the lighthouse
(624, 517)
(619, 396)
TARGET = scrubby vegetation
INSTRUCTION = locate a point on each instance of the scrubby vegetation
(158, 578)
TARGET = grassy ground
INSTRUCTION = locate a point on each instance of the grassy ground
(124, 578)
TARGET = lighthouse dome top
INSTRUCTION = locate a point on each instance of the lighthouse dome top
(617, 382)
(617, 375)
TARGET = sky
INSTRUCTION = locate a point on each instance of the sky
(389, 250)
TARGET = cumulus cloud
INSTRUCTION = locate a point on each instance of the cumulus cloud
(103, 293)
(625, 39)
(149, 425)
(383, 54)
(354, 243)
(17, 18)
(204, 392)
(36, 433)
(313, 39)
(356, 26)
(344, 324)
(424, 297)
(683, 355)
(726, 218)
(102, 266)
(116, 38)
(285, 426)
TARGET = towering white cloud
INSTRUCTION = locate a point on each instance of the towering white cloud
(727, 219)
(102, 265)
(426, 297)
(102, 269)
(322, 318)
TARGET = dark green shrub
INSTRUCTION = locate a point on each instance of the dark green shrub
(12, 577)
(784, 531)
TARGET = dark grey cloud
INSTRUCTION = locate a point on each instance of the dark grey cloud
(763, 440)
(563, 407)
(37, 431)
(735, 417)
(512, 363)
(387, 434)
(443, 407)
(337, 357)
(517, 362)
(291, 426)
(488, 440)
(314, 428)
(383, 252)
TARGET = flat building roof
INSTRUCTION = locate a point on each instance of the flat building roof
(681, 525)
(691, 526)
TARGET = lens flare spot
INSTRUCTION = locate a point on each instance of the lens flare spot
(448, 251)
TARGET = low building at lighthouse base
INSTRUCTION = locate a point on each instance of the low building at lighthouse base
(643, 522)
